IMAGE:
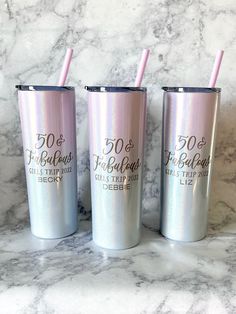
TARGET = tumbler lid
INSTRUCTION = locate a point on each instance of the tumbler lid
(191, 89)
(43, 88)
(114, 89)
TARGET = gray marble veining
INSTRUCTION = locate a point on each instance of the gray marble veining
(72, 275)
(108, 38)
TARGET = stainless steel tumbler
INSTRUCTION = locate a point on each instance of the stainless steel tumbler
(47, 116)
(116, 128)
(188, 142)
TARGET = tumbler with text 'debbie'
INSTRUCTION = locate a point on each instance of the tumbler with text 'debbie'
(116, 128)
(47, 116)
(188, 143)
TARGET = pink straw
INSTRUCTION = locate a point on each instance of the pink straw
(141, 68)
(216, 68)
(65, 67)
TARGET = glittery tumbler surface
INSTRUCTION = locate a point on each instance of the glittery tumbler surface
(116, 127)
(188, 142)
(49, 140)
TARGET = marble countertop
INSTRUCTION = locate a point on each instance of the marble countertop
(72, 275)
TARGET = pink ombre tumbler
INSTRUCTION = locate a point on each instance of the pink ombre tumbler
(116, 128)
(188, 144)
(47, 116)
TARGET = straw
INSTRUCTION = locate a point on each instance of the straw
(216, 68)
(141, 68)
(65, 67)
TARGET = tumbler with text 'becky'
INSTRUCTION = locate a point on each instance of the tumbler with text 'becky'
(47, 116)
(116, 127)
(188, 143)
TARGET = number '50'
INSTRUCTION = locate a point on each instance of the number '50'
(48, 140)
(190, 142)
(116, 145)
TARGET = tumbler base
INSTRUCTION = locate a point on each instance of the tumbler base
(54, 237)
(116, 248)
(182, 240)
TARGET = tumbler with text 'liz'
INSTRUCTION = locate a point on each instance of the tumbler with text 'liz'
(188, 143)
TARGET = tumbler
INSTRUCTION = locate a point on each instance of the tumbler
(116, 132)
(47, 116)
(188, 143)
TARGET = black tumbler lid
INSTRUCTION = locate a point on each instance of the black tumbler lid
(43, 88)
(114, 89)
(191, 89)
